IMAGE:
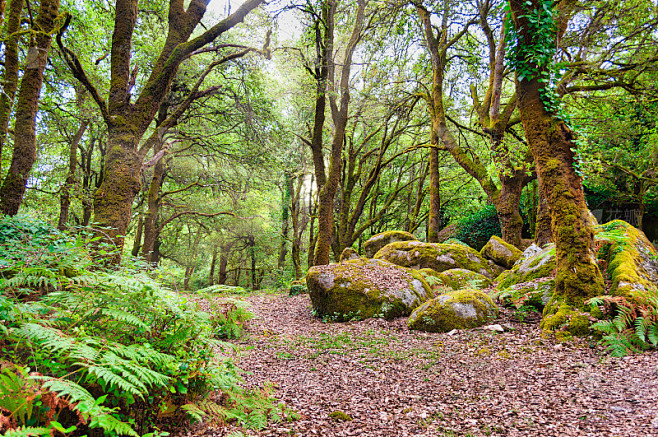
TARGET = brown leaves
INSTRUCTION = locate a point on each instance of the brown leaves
(394, 382)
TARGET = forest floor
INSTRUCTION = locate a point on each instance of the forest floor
(395, 382)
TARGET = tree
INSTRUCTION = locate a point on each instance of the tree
(536, 26)
(127, 122)
(27, 104)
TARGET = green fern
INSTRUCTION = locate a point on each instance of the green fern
(634, 326)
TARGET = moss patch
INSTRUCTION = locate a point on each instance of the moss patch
(631, 258)
(439, 257)
(380, 240)
(458, 279)
(362, 288)
(500, 252)
(539, 265)
(461, 309)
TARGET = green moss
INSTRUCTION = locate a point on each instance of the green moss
(339, 415)
(539, 266)
(630, 257)
(461, 309)
(500, 252)
(439, 257)
(360, 289)
(560, 318)
(380, 240)
(460, 279)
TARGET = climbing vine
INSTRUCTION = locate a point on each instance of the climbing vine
(534, 58)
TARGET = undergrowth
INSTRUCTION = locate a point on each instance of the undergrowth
(633, 326)
(87, 351)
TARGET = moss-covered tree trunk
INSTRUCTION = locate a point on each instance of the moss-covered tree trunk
(27, 104)
(285, 219)
(128, 121)
(507, 201)
(69, 184)
(151, 226)
(10, 73)
(543, 226)
(551, 142)
(434, 218)
(339, 111)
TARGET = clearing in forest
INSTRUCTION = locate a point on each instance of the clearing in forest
(377, 378)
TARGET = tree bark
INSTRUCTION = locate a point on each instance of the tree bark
(213, 263)
(339, 111)
(69, 184)
(285, 219)
(434, 218)
(10, 76)
(551, 142)
(127, 122)
(24, 155)
(137, 244)
(543, 225)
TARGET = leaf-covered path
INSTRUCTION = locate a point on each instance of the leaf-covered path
(395, 382)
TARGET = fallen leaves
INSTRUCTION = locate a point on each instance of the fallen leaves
(396, 382)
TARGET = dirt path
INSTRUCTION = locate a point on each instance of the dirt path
(395, 382)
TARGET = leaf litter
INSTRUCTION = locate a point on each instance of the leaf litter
(378, 378)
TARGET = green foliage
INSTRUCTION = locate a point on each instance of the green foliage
(534, 57)
(634, 327)
(476, 229)
(114, 348)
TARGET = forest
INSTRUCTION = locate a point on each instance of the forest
(328, 217)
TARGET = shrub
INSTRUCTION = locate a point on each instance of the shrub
(108, 350)
(477, 228)
(634, 323)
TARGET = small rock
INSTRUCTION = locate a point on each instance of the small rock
(496, 328)
(558, 347)
(654, 422)
(509, 327)
(453, 332)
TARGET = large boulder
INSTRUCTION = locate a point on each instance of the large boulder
(362, 288)
(632, 260)
(459, 279)
(536, 293)
(500, 252)
(380, 240)
(461, 309)
(439, 257)
(536, 263)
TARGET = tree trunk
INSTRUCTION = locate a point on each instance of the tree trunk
(578, 277)
(151, 229)
(10, 76)
(285, 206)
(120, 184)
(137, 244)
(434, 219)
(24, 155)
(223, 264)
(213, 262)
(543, 225)
(507, 207)
(65, 197)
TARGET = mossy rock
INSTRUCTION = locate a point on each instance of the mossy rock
(535, 293)
(564, 320)
(380, 240)
(459, 279)
(348, 254)
(436, 256)
(363, 288)
(500, 252)
(463, 309)
(536, 263)
(433, 279)
(632, 260)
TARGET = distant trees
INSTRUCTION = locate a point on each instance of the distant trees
(128, 121)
